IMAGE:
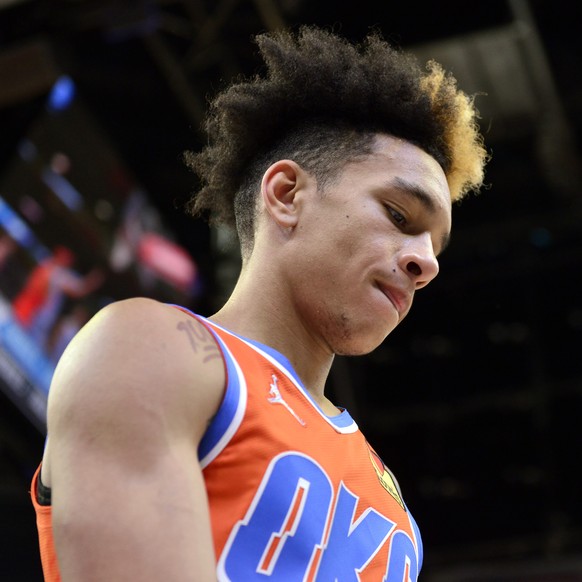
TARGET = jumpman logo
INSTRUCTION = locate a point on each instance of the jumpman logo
(276, 398)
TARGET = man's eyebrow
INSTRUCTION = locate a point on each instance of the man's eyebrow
(420, 194)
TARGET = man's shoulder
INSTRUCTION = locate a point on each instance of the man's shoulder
(141, 323)
(134, 351)
(131, 390)
(133, 310)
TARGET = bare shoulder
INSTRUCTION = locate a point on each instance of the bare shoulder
(139, 371)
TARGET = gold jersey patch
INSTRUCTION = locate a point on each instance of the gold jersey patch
(385, 477)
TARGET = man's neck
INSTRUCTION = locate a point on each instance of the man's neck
(263, 314)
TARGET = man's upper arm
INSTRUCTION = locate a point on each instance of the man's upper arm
(130, 400)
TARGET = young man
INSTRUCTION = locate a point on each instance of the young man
(185, 448)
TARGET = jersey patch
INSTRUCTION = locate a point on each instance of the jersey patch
(385, 477)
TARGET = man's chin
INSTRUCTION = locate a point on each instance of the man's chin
(362, 348)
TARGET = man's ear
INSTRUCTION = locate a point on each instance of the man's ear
(282, 182)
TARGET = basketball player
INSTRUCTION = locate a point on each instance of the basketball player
(182, 448)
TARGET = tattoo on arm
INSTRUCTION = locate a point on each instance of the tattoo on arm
(200, 339)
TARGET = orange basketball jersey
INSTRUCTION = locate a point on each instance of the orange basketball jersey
(294, 495)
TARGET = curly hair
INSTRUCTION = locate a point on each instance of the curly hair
(321, 103)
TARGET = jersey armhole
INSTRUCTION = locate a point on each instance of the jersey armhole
(43, 493)
(41, 503)
(229, 415)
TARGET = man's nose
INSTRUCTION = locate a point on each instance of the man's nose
(418, 260)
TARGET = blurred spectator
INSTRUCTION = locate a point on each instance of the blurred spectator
(39, 303)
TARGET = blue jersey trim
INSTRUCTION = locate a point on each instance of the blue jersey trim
(231, 410)
(221, 423)
(341, 421)
(227, 412)
(419, 547)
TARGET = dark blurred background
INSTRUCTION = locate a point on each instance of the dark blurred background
(475, 402)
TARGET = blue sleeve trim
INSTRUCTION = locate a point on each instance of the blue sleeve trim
(416, 531)
(227, 419)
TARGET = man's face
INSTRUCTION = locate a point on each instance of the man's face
(363, 247)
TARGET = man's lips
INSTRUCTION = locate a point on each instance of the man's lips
(399, 298)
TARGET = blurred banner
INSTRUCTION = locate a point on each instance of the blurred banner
(76, 232)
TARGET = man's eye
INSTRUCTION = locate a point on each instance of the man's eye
(396, 216)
